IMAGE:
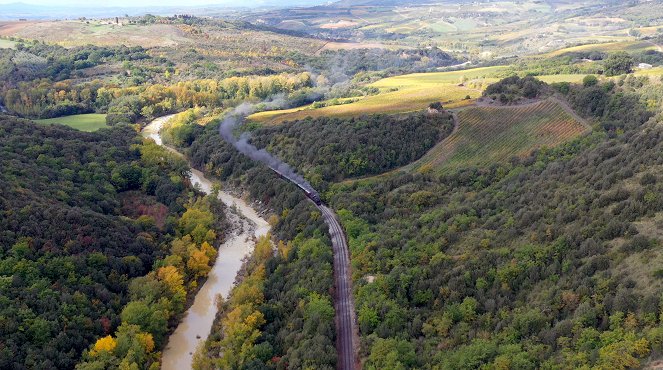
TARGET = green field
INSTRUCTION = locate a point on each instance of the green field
(82, 122)
(629, 46)
(7, 44)
(492, 134)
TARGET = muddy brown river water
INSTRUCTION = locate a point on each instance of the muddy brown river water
(248, 225)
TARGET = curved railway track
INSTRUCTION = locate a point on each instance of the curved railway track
(347, 336)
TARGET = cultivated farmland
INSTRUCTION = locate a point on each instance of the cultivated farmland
(491, 134)
(7, 44)
(399, 94)
(408, 93)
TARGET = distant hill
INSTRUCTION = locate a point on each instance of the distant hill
(348, 3)
(15, 11)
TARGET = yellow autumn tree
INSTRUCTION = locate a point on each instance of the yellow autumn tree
(284, 248)
(209, 250)
(181, 246)
(241, 332)
(106, 343)
(623, 354)
(198, 263)
(263, 249)
(146, 340)
(174, 280)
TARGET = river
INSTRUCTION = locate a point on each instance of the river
(247, 224)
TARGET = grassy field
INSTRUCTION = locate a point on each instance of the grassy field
(408, 93)
(492, 134)
(7, 44)
(398, 94)
(630, 46)
(82, 122)
(656, 72)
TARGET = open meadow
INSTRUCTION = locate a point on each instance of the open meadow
(83, 122)
(7, 44)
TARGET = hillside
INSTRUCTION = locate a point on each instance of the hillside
(514, 264)
(365, 184)
(407, 93)
(488, 135)
(68, 248)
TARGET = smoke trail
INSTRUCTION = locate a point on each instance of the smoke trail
(235, 118)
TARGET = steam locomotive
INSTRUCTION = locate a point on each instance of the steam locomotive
(310, 193)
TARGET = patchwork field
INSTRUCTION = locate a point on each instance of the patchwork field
(492, 134)
(78, 33)
(82, 122)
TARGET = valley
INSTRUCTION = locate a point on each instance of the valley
(347, 185)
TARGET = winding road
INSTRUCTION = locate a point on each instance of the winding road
(346, 329)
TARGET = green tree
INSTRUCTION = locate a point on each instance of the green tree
(618, 63)
(391, 353)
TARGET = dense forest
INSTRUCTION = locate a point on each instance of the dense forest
(281, 314)
(520, 265)
(328, 149)
(331, 149)
(81, 216)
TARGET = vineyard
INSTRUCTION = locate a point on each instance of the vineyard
(491, 134)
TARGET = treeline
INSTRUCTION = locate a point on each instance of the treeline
(41, 98)
(586, 62)
(388, 62)
(35, 60)
(331, 149)
(67, 251)
(522, 265)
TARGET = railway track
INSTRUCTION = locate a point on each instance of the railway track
(347, 336)
(346, 329)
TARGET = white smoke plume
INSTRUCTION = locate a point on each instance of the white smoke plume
(242, 144)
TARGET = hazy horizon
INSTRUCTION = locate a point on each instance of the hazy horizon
(155, 3)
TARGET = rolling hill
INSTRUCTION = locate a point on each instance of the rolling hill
(488, 135)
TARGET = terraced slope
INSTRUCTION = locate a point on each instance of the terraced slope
(491, 134)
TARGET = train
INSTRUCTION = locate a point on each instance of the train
(312, 195)
(309, 192)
